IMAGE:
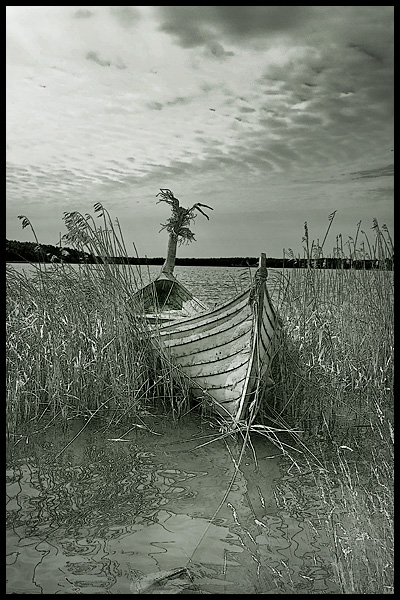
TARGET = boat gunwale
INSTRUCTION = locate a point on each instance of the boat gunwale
(203, 335)
(225, 370)
(206, 314)
(221, 387)
(240, 335)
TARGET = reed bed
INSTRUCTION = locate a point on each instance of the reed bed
(334, 381)
(77, 342)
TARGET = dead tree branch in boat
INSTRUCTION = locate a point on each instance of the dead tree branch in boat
(178, 226)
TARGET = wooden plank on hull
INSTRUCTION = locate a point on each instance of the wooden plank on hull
(214, 341)
(268, 309)
(224, 310)
(222, 366)
(212, 354)
(266, 336)
(232, 380)
(222, 326)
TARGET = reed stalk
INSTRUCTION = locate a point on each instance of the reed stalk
(77, 344)
(334, 381)
(77, 341)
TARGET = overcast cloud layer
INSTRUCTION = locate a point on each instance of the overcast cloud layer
(271, 115)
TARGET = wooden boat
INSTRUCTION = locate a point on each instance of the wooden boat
(226, 352)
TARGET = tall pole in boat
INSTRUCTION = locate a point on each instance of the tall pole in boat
(178, 227)
(169, 263)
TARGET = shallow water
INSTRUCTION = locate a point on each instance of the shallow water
(104, 514)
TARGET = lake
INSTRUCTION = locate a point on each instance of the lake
(98, 509)
(200, 280)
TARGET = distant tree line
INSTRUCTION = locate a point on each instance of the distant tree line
(334, 263)
(29, 251)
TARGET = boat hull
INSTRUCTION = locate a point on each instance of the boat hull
(226, 352)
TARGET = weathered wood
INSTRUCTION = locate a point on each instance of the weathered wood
(226, 352)
(166, 299)
(262, 267)
(169, 263)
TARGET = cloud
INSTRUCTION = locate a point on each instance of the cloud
(94, 57)
(178, 101)
(387, 171)
(199, 25)
(46, 185)
(216, 50)
(125, 15)
(83, 14)
(274, 123)
(154, 105)
(326, 90)
(217, 100)
(369, 53)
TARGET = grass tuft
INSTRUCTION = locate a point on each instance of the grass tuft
(334, 377)
(77, 342)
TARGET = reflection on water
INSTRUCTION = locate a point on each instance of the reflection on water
(108, 516)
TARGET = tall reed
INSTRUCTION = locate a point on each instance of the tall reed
(77, 342)
(334, 381)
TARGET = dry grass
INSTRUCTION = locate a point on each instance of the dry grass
(361, 521)
(77, 343)
(334, 377)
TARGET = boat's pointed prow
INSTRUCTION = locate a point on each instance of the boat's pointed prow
(262, 266)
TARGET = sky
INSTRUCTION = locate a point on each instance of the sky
(272, 115)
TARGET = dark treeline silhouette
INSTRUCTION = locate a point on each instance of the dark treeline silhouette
(29, 251)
